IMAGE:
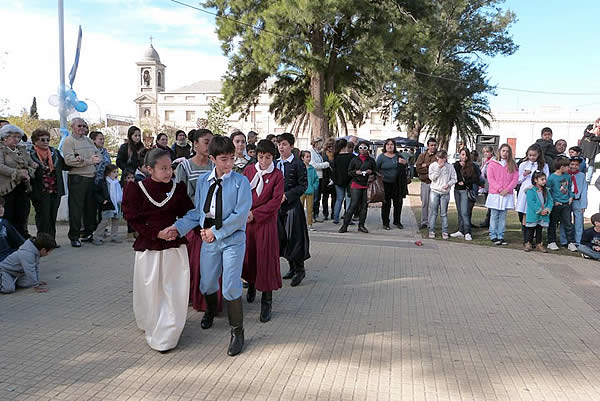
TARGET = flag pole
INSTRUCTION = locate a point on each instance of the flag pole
(61, 59)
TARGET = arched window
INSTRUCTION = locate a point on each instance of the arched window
(159, 80)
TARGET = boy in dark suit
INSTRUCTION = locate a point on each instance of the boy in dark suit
(293, 232)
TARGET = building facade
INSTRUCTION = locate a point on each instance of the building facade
(186, 107)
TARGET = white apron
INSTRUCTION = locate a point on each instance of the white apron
(161, 286)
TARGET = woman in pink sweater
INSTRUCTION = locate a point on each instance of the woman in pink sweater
(503, 176)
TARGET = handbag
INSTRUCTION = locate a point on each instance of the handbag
(472, 194)
(375, 190)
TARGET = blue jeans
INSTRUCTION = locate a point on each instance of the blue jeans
(437, 200)
(586, 250)
(462, 207)
(497, 223)
(342, 194)
(577, 225)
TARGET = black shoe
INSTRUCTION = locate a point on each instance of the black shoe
(244, 284)
(385, 226)
(363, 229)
(251, 293)
(211, 311)
(336, 222)
(290, 272)
(326, 217)
(422, 226)
(266, 302)
(343, 228)
(76, 243)
(236, 321)
(400, 226)
(298, 278)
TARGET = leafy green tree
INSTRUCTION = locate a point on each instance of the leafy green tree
(460, 33)
(311, 48)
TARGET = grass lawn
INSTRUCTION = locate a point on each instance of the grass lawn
(512, 234)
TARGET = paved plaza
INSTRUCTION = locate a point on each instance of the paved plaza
(377, 318)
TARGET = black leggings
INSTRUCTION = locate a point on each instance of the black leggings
(530, 231)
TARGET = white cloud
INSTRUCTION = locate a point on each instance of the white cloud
(107, 71)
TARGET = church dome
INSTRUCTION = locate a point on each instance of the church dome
(151, 54)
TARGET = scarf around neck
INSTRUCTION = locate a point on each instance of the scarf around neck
(45, 155)
(257, 181)
(115, 192)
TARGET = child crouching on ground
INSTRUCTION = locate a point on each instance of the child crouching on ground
(537, 215)
(10, 238)
(590, 240)
(442, 176)
(109, 196)
(21, 269)
(161, 276)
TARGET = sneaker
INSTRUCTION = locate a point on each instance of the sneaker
(431, 235)
(310, 228)
(445, 236)
(422, 226)
(527, 247)
(498, 242)
(468, 237)
(501, 242)
(540, 247)
(553, 247)
(583, 255)
(457, 234)
(386, 226)
(493, 240)
(572, 247)
(336, 222)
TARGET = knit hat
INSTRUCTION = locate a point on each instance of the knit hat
(10, 129)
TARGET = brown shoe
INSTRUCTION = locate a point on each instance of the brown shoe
(527, 247)
(540, 247)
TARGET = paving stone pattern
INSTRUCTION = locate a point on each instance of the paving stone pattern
(377, 318)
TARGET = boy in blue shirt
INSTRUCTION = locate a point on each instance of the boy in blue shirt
(21, 269)
(559, 185)
(579, 188)
(223, 200)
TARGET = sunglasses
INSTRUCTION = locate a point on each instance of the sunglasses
(44, 139)
(363, 148)
(82, 126)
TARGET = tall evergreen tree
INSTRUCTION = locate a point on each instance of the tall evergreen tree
(33, 113)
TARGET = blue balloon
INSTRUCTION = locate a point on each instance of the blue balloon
(81, 106)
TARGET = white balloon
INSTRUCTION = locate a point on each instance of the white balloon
(54, 100)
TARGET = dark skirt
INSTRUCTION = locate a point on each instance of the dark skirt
(261, 263)
(196, 298)
(294, 244)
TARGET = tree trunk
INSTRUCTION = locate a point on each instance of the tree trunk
(415, 131)
(317, 90)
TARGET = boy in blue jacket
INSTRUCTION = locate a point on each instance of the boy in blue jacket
(21, 269)
(223, 200)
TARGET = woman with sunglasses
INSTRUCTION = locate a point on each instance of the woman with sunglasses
(47, 184)
(360, 169)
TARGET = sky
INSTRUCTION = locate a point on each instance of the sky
(557, 52)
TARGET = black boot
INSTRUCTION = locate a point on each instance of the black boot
(343, 228)
(300, 274)
(251, 293)
(290, 272)
(236, 321)
(211, 311)
(265, 306)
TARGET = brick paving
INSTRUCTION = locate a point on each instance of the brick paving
(377, 318)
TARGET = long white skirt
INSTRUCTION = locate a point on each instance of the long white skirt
(161, 286)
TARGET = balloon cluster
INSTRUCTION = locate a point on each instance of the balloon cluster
(72, 103)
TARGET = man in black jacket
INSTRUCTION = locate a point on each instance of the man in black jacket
(547, 146)
(293, 232)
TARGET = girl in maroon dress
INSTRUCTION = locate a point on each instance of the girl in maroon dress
(161, 278)
(261, 263)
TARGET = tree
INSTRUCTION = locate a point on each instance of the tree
(217, 117)
(459, 34)
(319, 47)
(33, 113)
